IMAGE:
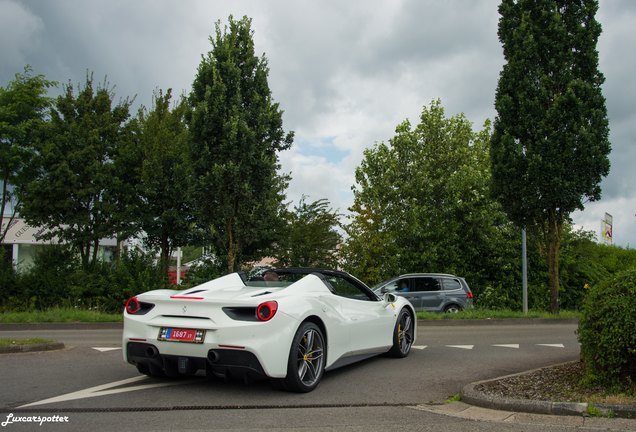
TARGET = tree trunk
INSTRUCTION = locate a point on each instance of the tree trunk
(165, 253)
(554, 248)
(95, 249)
(84, 249)
(232, 247)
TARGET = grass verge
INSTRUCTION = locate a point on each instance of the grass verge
(59, 315)
(69, 315)
(486, 314)
(14, 342)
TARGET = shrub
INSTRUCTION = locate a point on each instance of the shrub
(207, 269)
(607, 332)
(107, 285)
(45, 283)
(497, 298)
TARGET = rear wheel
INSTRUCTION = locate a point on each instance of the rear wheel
(306, 363)
(402, 335)
(452, 308)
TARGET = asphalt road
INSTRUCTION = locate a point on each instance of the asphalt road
(89, 383)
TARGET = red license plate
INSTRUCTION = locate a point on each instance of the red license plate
(174, 334)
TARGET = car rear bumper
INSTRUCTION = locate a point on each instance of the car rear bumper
(220, 362)
(260, 347)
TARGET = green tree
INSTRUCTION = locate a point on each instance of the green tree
(165, 213)
(236, 131)
(550, 143)
(23, 109)
(78, 195)
(311, 238)
(421, 203)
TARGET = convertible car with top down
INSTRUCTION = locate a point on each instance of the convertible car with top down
(289, 325)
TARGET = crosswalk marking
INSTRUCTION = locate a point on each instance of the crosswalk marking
(108, 389)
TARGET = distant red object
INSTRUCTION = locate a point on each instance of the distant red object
(172, 276)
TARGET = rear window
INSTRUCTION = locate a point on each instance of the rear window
(426, 284)
(452, 284)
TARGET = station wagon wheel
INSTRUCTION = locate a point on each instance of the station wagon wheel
(452, 309)
(402, 335)
(306, 364)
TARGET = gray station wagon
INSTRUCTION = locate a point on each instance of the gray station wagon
(431, 292)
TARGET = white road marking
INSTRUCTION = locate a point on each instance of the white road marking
(105, 389)
(419, 347)
(552, 345)
(507, 345)
(466, 347)
(105, 349)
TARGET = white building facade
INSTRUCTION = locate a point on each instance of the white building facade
(21, 243)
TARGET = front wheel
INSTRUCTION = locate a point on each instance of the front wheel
(306, 363)
(402, 335)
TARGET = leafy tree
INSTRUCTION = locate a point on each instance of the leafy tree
(23, 109)
(311, 238)
(421, 203)
(78, 194)
(550, 143)
(236, 131)
(165, 211)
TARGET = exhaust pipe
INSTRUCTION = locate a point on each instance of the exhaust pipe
(152, 351)
(212, 356)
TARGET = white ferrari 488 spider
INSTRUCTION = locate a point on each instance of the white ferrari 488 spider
(290, 325)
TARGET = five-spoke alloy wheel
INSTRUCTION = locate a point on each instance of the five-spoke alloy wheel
(306, 364)
(402, 335)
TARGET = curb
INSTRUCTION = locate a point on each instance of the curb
(31, 348)
(471, 396)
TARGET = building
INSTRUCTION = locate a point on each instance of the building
(21, 243)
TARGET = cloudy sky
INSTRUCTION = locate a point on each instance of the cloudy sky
(345, 72)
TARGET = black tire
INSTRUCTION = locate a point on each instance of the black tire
(306, 362)
(453, 308)
(403, 335)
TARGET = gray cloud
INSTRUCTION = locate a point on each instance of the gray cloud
(346, 73)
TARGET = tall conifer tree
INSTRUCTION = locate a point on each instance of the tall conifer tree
(236, 132)
(550, 143)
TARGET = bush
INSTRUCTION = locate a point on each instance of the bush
(57, 279)
(8, 280)
(45, 283)
(106, 286)
(207, 269)
(607, 332)
(497, 298)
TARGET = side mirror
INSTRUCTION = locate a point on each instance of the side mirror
(389, 298)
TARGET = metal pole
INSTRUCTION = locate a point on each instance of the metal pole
(178, 266)
(524, 270)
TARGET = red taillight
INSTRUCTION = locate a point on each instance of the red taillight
(132, 305)
(469, 295)
(266, 311)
